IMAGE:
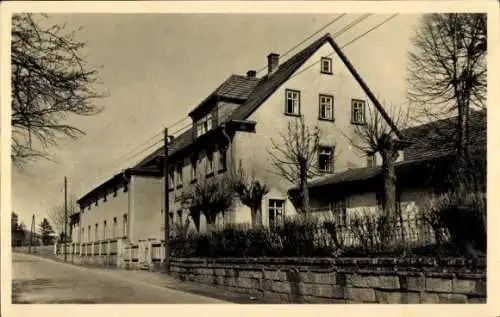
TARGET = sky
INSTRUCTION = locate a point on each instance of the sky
(156, 68)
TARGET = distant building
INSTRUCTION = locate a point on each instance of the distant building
(235, 125)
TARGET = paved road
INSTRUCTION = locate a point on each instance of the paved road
(43, 281)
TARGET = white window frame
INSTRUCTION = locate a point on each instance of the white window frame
(277, 212)
(325, 102)
(339, 208)
(358, 111)
(322, 150)
(294, 96)
(222, 160)
(370, 160)
(204, 125)
(329, 68)
(179, 177)
(194, 165)
(209, 164)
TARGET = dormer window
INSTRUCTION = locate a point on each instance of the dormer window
(326, 65)
(204, 125)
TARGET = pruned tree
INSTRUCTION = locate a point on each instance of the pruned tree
(447, 72)
(50, 80)
(295, 156)
(250, 191)
(211, 197)
(377, 136)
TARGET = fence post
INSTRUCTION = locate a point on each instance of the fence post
(55, 248)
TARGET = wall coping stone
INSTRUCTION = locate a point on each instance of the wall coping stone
(363, 265)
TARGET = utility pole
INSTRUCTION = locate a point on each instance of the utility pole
(32, 231)
(166, 212)
(65, 216)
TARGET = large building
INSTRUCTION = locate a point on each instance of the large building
(236, 125)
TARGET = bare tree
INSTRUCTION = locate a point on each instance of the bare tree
(57, 215)
(295, 157)
(447, 71)
(211, 197)
(50, 80)
(250, 191)
(376, 136)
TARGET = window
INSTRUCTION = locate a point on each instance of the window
(104, 230)
(357, 111)
(83, 234)
(194, 163)
(326, 107)
(340, 211)
(326, 65)
(292, 106)
(113, 231)
(96, 232)
(276, 212)
(89, 233)
(210, 164)
(204, 125)
(222, 160)
(171, 180)
(179, 176)
(325, 159)
(370, 160)
(125, 225)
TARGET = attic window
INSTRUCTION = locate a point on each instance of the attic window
(326, 65)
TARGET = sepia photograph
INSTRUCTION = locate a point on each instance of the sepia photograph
(248, 158)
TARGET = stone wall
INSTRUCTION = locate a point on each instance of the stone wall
(295, 280)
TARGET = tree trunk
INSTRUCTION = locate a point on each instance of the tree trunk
(258, 216)
(304, 189)
(210, 222)
(389, 155)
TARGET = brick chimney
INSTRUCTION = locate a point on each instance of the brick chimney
(251, 74)
(273, 62)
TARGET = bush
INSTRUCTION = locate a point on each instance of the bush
(460, 219)
(295, 237)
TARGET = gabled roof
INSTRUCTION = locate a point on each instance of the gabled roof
(439, 137)
(236, 87)
(269, 85)
(263, 89)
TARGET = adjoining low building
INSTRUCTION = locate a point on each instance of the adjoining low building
(423, 172)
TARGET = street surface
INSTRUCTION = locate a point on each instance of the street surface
(37, 280)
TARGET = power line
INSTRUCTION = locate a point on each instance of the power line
(349, 43)
(370, 30)
(307, 38)
(351, 25)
